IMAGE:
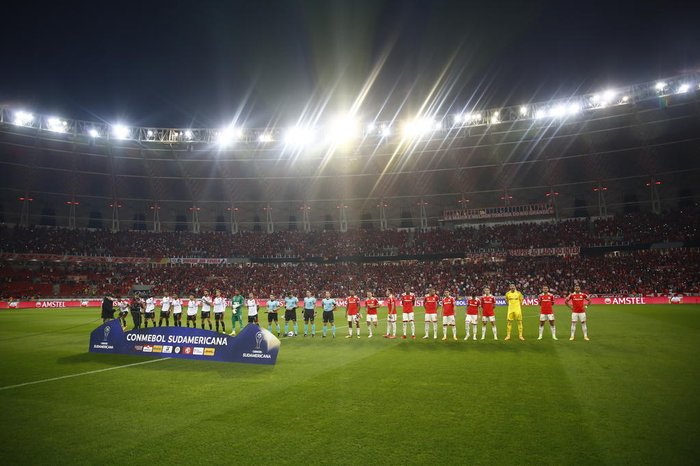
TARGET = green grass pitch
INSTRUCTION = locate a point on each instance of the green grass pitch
(630, 396)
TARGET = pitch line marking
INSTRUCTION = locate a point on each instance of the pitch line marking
(81, 373)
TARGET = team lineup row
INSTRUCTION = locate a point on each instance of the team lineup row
(145, 309)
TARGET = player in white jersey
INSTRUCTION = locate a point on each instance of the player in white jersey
(165, 310)
(252, 305)
(150, 312)
(177, 310)
(206, 309)
(192, 306)
(219, 309)
(123, 310)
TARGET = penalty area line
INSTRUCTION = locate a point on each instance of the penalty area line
(53, 379)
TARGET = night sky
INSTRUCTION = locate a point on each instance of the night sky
(205, 63)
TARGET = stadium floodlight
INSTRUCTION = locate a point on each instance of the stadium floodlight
(265, 137)
(419, 126)
(57, 125)
(540, 113)
(371, 128)
(386, 131)
(625, 99)
(474, 117)
(523, 110)
(298, 136)
(343, 129)
(660, 86)
(574, 108)
(23, 118)
(120, 131)
(458, 118)
(188, 134)
(496, 117)
(557, 111)
(683, 88)
(149, 133)
(227, 135)
(93, 133)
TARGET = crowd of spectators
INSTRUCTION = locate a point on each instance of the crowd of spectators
(647, 272)
(629, 229)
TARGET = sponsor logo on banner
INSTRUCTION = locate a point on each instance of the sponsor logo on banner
(636, 300)
(608, 300)
(45, 304)
(252, 345)
(530, 302)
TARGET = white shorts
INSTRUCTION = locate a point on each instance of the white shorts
(352, 318)
(471, 318)
(544, 317)
(578, 316)
(391, 317)
(448, 320)
(488, 318)
(408, 317)
(431, 317)
(371, 317)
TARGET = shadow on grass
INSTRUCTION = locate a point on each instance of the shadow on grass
(181, 365)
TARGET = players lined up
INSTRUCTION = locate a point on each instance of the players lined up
(172, 306)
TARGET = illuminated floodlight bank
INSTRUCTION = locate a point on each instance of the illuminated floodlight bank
(265, 137)
(660, 86)
(343, 129)
(120, 131)
(523, 110)
(57, 125)
(23, 118)
(188, 134)
(228, 136)
(93, 133)
(420, 126)
(298, 136)
(683, 88)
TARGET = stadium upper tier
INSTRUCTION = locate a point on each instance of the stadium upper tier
(557, 152)
(634, 229)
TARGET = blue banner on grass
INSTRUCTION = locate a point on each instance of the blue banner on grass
(253, 345)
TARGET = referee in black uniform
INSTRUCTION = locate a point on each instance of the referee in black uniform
(107, 308)
(136, 308)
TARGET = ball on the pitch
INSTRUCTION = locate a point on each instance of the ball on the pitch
(290, 334)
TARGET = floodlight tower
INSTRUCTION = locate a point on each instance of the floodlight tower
(25, 211)
(234, 219)
(156, 217)
(305, 219)
(195, 218)
(343, 217)
(72, 204)
(602, 204)
(423, 214)
(269, 224)
(115, 205)
(653, 185)
(383, 224)
(552, 196)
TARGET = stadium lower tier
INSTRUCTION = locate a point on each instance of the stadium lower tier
(645, 272)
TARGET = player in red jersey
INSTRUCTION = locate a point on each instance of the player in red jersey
(578, 310)
(391, 302)
(371, 303)
(488, 304)
(546, 300)
(408, 300)
(430, 302)
(472, 316)
(352, 312)
(448, 315)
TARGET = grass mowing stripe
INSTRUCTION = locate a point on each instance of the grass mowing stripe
(81, 373)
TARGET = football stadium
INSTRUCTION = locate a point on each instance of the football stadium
(450, 280)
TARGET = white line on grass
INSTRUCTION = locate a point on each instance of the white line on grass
(82, 373)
